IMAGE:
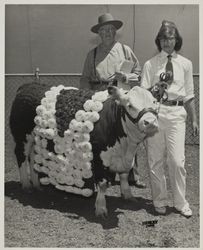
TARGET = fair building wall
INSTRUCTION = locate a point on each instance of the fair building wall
(56, 38)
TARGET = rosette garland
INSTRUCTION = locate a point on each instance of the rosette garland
(63, 152)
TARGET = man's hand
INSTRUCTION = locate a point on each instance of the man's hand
(120, 76)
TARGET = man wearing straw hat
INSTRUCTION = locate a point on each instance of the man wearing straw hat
(111, 62)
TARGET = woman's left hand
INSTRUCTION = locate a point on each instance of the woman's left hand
(195, 128)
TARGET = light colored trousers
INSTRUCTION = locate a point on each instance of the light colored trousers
(168, 147)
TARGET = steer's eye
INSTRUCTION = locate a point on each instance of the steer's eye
(146, 123)
(129, 106)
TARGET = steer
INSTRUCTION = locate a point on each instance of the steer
(48, 124)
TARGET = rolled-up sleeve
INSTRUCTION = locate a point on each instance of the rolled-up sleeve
(146, 79)
(189, 85)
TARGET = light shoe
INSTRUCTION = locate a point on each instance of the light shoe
(160, 210)
(185, 211)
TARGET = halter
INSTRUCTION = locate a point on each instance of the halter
(141, 113)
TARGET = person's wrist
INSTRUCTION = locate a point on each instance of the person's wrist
(124, 78)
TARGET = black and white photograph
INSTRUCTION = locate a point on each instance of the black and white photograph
(101, 124)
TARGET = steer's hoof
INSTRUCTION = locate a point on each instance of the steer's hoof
(101, 213)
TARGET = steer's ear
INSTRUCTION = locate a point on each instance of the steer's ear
(114, 92)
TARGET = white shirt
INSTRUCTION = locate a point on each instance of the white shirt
(108, 63)
(182, 87)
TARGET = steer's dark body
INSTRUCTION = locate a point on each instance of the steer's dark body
(107, 131)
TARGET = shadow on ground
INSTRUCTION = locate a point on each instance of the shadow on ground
(79, 206)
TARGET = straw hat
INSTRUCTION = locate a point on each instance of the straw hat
(106, 18)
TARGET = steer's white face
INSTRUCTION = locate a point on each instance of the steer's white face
(134, 101)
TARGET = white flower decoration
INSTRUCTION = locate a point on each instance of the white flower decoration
(38, 120)
(80, 115)
(45, 181)
(87, 192)
(97, 106)
(100, 96)
(79, 183)
(87, 127)
(88, 105)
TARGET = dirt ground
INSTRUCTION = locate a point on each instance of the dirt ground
(52, 218)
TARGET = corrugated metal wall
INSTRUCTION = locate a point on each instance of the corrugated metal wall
(56, 38)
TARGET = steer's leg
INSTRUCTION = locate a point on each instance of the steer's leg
(124, 186)
(100, 204)
(23, 165)
(34, 177)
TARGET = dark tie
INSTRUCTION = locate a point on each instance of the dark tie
(169, 69)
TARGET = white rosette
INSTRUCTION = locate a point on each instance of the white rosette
(86, 165)
(87, 192)
(60, 187)
(87, 127)
(88, 105)
(88, 156)
(44, 181)
(47, 115)
(85, 147)
(49, 133)
(59, 149)
(100, 96)
(44, 153)
(77, 174)
(53, 181)
(40, 110)
(97, 106)
(45, 163)
(51, 123)
(38, 158)
(77, 190)
(44, 170)
(37, 149)
(38, 120)
(79, 183)
(93, 116)
(68, 189)
(69, 180)
(73, 125)
(86, 173)
(61, 178)
(68, 136)
(80, 115)
(53, 173)
(37, 167)
(44, 143)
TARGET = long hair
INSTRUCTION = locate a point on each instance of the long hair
(169, 28)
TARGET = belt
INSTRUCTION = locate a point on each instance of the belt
(99, 82)
(173, 103)
(103, 82)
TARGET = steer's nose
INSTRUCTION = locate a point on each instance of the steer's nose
(146, 122)
(151, 127)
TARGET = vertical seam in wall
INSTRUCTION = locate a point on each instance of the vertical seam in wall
(133, 47)
(29, 37)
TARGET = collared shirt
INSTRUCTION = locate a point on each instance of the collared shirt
(107, 63)
(182, 87)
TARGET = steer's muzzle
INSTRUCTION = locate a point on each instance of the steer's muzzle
(148, 124)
